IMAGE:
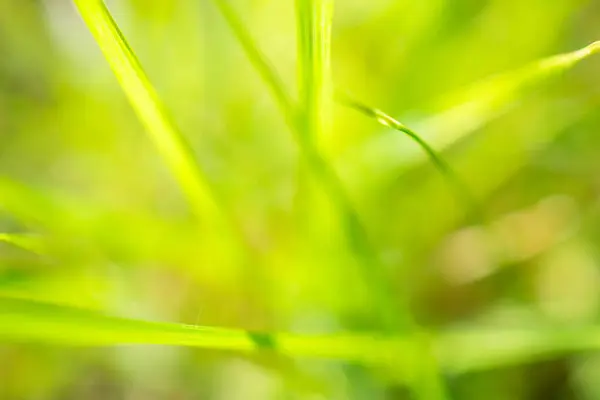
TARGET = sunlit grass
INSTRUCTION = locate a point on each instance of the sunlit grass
(398, 343)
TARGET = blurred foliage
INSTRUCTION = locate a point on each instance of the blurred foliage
(92, 218)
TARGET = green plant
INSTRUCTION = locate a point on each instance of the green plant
(400, 342)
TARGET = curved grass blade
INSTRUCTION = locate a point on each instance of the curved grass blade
(471, 109)
(313, 55)
(173, 147)
(461, 190)
(485, 100)
(258, 59)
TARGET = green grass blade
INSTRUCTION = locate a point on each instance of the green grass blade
(314, 26)
(480, 103)
(469, 110)
(30, 320)
(457, 351)
(175, 150)
(461, 190)
(314, 30)
(173, 147)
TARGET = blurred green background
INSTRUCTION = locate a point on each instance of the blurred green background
(79, 177)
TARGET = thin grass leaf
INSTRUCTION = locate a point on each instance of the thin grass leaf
(258, 59)
(471, 109)
(173, 147)
(462, 191)
(458, 351)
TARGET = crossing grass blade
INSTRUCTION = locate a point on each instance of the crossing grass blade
(309, 120)
(316, 97)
